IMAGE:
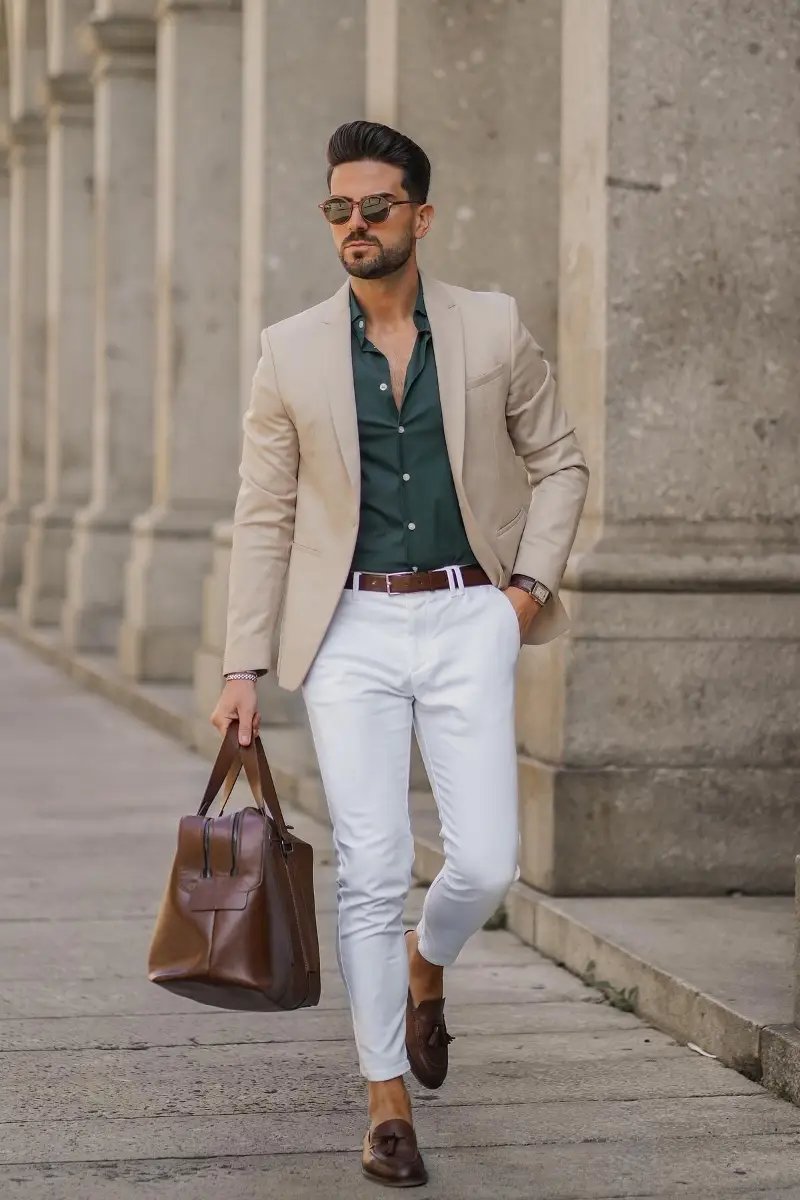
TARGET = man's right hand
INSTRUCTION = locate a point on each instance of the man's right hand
(238, 701)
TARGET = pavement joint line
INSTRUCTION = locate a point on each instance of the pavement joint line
(219, 1013)
(421, 1099)
(190, 1044)
(431, 1151)
(182, 1012)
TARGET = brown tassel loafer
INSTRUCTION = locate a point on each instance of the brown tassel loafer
(427, 1040)
(391, 1155)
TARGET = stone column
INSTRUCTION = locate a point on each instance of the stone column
(5, 255)
(491, 74)
(27, 342)
(123, 46)
(662, 737)
(197, 291)
(287, 261)
(70, 308)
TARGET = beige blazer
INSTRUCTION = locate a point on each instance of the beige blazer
(518, 470)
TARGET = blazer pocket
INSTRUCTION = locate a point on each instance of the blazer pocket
(508, 524)
(302, 546)
(487, 376)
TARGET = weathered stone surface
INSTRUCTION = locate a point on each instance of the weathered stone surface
(308, 1076)
(735, 1166)
(485, 1125)
(677, 360)
(211, 1027)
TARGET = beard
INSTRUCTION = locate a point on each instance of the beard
(381, 261)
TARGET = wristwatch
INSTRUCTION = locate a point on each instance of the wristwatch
(532, 586)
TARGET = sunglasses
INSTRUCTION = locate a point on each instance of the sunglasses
(374, 209)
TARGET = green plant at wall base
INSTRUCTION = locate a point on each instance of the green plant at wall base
(622, 998)
(498, 919)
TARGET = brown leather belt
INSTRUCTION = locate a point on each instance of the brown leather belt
(415, 581)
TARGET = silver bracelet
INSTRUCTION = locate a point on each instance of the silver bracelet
(242, 675)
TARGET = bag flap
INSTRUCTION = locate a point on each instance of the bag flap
(230, 847)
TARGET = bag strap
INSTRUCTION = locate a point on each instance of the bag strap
(227, 765)
(225, 770)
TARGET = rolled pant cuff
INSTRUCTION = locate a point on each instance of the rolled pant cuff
(432, 957)
(378, 1074)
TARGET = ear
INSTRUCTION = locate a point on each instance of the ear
(425, 214)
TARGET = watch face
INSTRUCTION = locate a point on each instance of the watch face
(540, 592)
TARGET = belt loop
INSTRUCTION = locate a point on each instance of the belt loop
(462, 587)
(449, 571)
(356, 577)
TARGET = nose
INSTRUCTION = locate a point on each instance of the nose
(357, 224)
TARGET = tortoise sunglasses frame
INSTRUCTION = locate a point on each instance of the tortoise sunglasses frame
(371, 218)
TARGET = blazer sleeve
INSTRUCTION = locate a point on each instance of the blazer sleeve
(263, 521)
(544, 438)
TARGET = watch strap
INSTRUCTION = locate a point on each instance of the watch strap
(528, 584)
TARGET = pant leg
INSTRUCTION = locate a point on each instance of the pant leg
(464, 721)
(359, 709)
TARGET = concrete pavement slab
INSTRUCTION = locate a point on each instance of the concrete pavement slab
(115, 1089)
(725, 1166)
(313, 1077)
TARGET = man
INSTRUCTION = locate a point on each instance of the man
(410, 478)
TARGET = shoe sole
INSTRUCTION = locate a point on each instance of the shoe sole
(392, 1182)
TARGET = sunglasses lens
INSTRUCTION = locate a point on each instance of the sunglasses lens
(336, 211)
(375, 208)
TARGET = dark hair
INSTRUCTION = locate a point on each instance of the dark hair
(357, 140)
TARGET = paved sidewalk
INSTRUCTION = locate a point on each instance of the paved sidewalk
(110, 1088)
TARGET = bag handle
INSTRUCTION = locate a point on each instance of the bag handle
(226, 768)
(229, 761)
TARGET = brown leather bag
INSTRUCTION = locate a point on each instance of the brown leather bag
(237, 925)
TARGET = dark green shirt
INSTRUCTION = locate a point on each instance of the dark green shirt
(409, 519)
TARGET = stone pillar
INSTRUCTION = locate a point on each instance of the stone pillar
(197, 425)
(123, 46)
(287, 260)
(70, 310)
(5, 255)
(491, 74)
(665, 757)
(797, 940)
(27, 342)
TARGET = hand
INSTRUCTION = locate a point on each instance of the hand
(526, 607)
(238, 702)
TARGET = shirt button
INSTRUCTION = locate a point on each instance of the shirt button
(360, 324)
(400, 429)
(411, 525)
(406, 475)
(415, 568)
(384, 386)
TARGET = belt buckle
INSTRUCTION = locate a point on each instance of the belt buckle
(389, 576)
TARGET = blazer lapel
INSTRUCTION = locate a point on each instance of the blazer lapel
(337, 366)
(448, 342)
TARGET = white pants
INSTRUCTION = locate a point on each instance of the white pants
(446, 661)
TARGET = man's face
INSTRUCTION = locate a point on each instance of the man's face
(371, 251)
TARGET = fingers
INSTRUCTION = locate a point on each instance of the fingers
(247, 718)
(249, 724)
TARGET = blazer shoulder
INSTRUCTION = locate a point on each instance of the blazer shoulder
(482, 305)
(297, 325)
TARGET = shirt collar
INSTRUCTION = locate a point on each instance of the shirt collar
(357, 314)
